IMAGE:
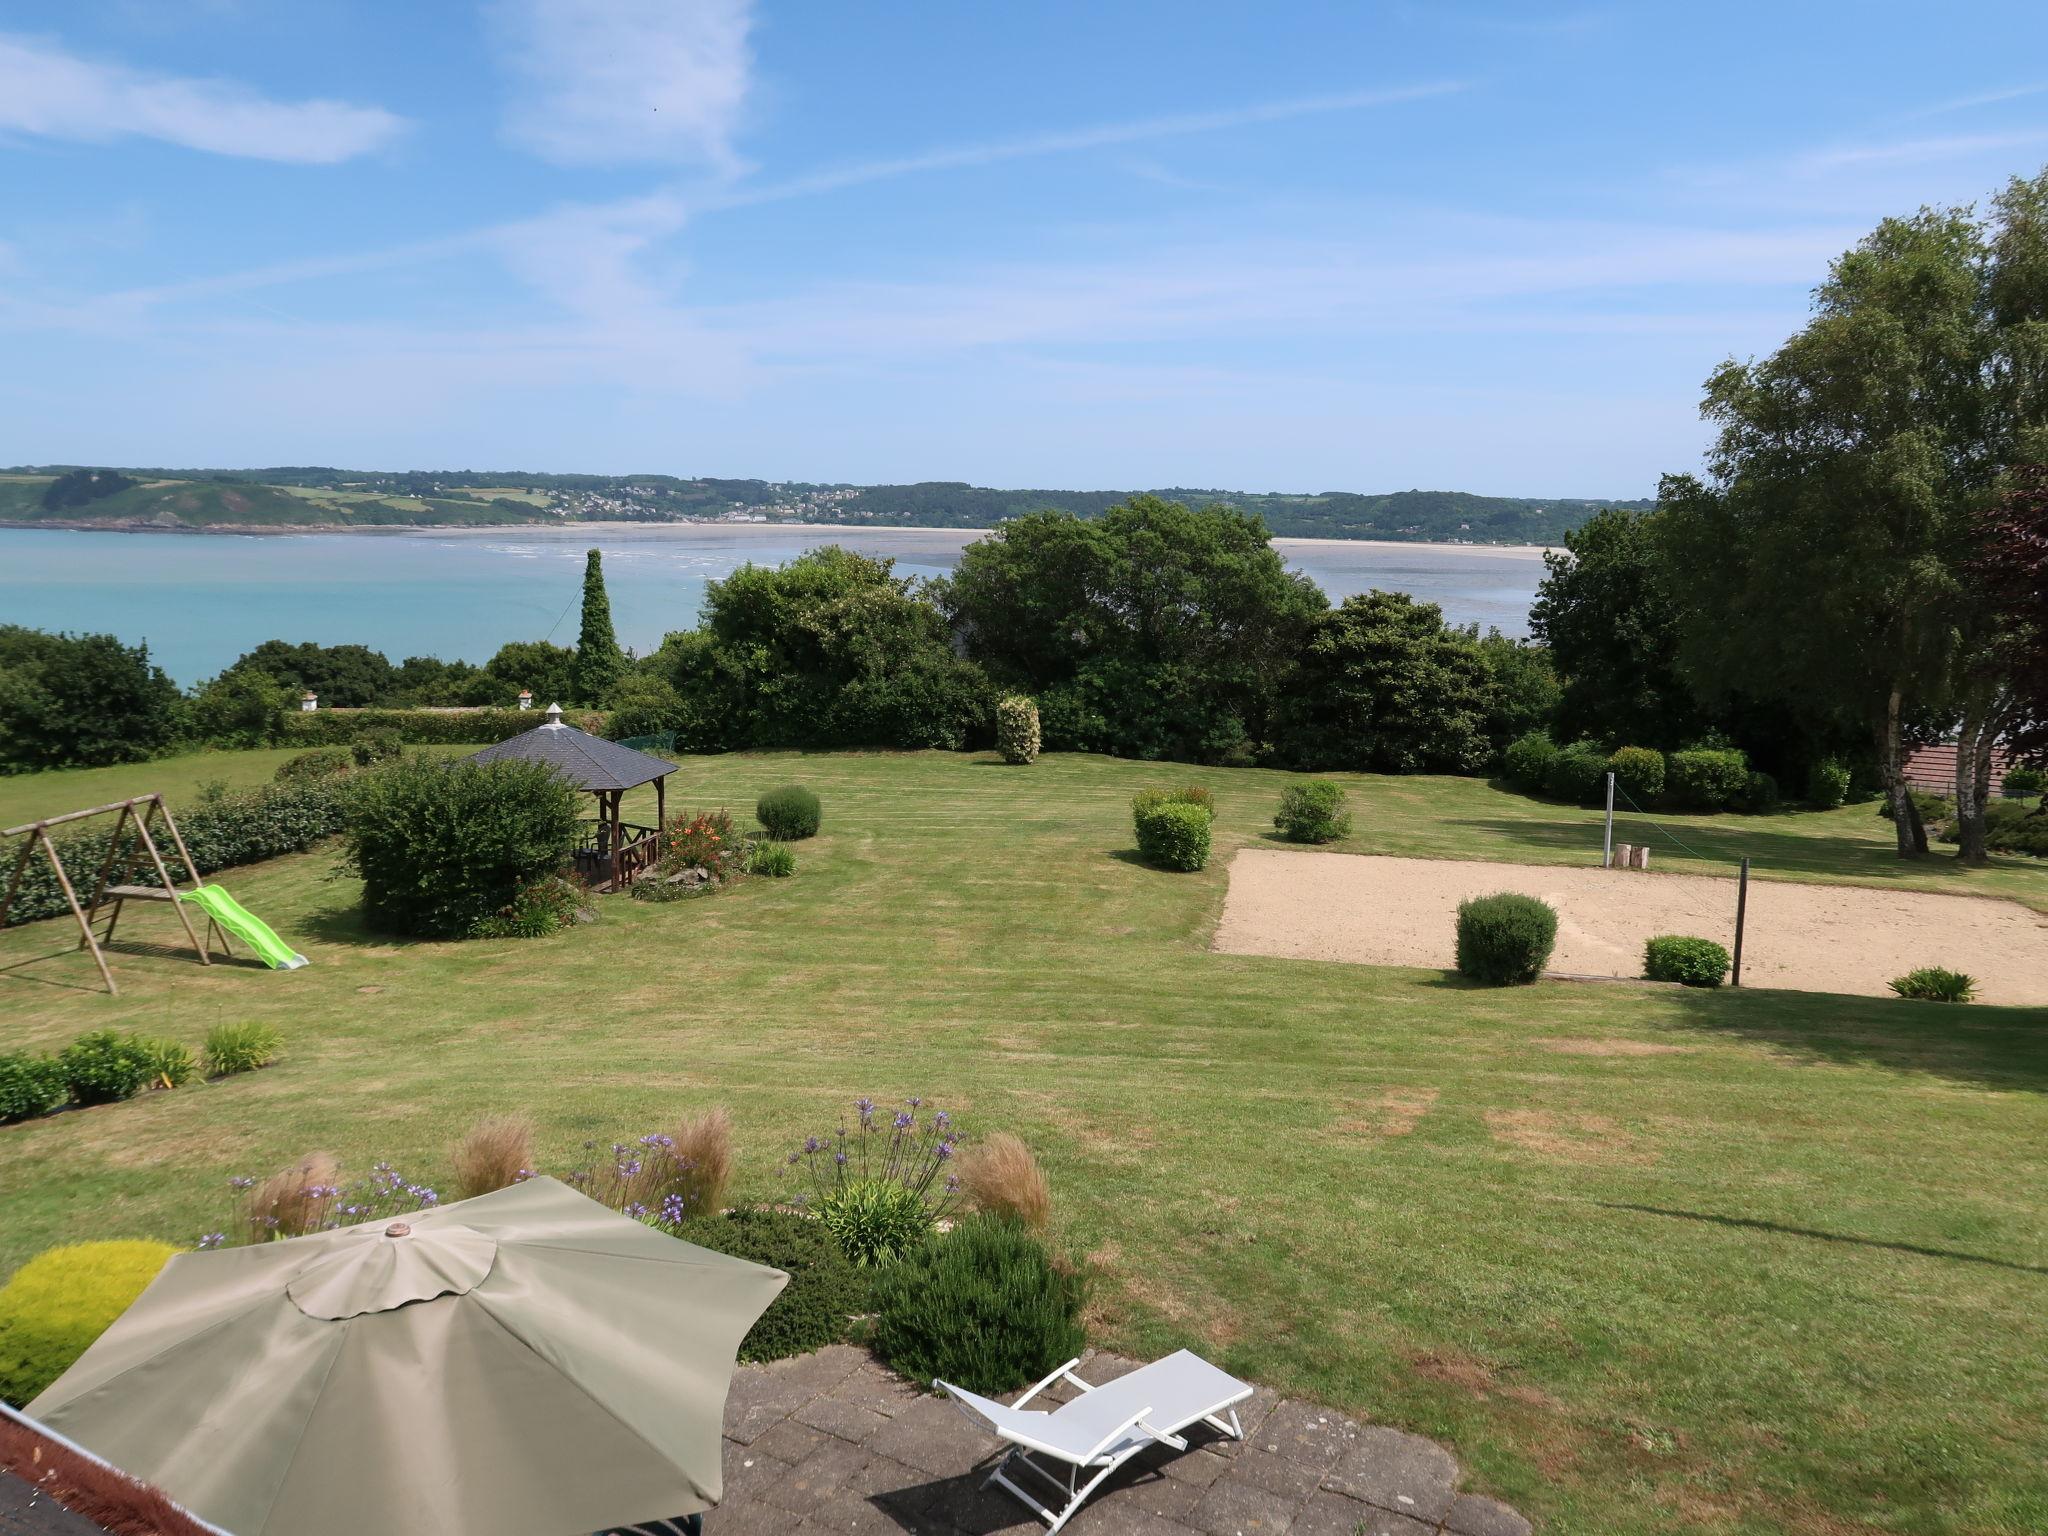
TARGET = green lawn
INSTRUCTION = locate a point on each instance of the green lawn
(1651, 1260)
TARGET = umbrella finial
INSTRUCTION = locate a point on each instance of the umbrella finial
(398, 1229)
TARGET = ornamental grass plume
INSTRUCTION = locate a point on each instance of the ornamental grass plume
(703, 1153)
(497, 1153)
(293, 1201)
(1001, 1178)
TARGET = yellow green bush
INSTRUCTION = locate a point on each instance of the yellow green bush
(60, 1301)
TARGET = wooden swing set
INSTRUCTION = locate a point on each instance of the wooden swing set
(112, 892)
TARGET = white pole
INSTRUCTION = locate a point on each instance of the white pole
(1607, 844)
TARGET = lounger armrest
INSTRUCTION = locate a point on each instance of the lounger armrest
(1055, 1376)
(1135, 1421)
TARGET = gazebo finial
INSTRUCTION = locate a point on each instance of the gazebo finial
(554, 713)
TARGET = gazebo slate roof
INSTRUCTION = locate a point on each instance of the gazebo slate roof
(587, 761)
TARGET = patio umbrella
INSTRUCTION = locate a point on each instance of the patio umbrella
(527, 1363)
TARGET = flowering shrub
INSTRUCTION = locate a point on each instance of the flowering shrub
(880, 1189)
(538, 908)
(661, 1179)
(704, 841)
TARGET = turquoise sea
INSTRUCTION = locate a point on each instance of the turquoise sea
(201, 600)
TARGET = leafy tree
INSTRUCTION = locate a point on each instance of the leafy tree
(81, 701)
(1154, 631)
(1612, 629)
(599, 662)
(83, 486)
(831, 650)
(240, 708)
(547, 671)
(345, 676)
(1526, 690)
(1825, 558)
(1385, 685)
(427, 682)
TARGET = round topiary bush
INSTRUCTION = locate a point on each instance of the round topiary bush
(1708, 778)
(1017, 729)
(825, 1287)
(2023, 783)
(1687, 961)
(443, 847)
(790, 813)
(1312, 813)
(1638, 773)
(1526, 762)
(1827, 784)
(1578, 773)
(30, 1085)
(103, 1067)
(984, 1306)
(1505, 940)
(1173, 834)
(60, 1301)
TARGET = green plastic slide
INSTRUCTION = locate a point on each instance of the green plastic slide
(240, 923)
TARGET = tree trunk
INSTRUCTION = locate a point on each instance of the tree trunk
(1973, 782)
(1891, 770)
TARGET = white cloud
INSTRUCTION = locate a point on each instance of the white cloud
(47, 91)
(1980, 99)
(615, 81)
(1928, 151)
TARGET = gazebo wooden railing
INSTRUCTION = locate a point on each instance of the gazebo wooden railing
(615, 865)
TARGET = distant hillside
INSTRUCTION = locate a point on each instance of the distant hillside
(302, 497)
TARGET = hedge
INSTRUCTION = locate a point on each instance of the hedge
(1708, 778)
(423, 727)
(222, 829)
(1691, 962)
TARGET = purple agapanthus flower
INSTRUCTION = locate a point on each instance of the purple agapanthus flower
(213, 1239)
(904, 1120)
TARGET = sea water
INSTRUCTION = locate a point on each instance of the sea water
(201, 600)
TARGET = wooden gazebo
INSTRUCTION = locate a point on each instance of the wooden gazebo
(611, 853)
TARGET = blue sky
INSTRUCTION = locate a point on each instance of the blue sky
(1297, 247)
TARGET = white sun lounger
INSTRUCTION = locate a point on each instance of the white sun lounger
(1105, 1426)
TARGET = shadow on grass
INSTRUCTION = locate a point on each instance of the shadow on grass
(1755, 1225)
(345, 926)
(1994, 1047)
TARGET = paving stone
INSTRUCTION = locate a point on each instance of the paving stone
(1472, 1514)
(789, 1441)
(978, 1510)
(815, 1480)
(747, 1472)
(934, 1436)
(1303, 1432)
(1122, 1521)
(836, 1416)
(1401, 1472)
(1199, 1468)
(750, 1519)
(1136, 1487)
(853, 1514)
(876, 1389)
(761, 1398)
(1275, 1473)
(1252, 1414)
(1239, 1509)
(901, 1486)
(1332, 1514)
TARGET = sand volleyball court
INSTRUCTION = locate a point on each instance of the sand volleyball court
(1811, 938)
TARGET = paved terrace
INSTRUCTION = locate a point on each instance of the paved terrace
(837, 1445)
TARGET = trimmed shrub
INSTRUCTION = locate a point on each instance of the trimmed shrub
(423, 727)
(103, 1067)
(1759, 794)
(1638, 773)
(1505, 940)
(233, 1048)
(826, 1289)
(168, 1064)
(1312, 813)
(984, 1306)
(444, 846)
(1935, 984)
(1578, 773)
(320, 763)
(2023, 783)
(63, 1299)
(1017, 729)
(223, 828)
(775, 860)
(537, 909)
(1173, 834)
(2010, 826)
(1689, 962)
(1526, 762)
(1707, 778)
(1827, 784)
(30, 1085)
(874, 1220)
(790, 814)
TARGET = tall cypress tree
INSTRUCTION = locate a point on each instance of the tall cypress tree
(599, 661)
